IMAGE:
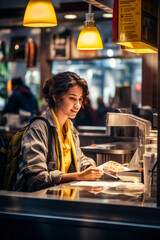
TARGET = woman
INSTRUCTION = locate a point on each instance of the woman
(65, 94)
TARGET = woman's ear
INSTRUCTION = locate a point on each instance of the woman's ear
(54, 99)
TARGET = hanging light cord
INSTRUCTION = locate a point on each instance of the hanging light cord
(89, 22)
(90, 8)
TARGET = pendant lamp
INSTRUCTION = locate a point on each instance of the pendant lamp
(89, 38)
(40, 13)
(139, 47)
(143, 50)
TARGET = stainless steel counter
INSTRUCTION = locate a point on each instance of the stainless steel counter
(114, 147)
(122, 152)
(79, 212)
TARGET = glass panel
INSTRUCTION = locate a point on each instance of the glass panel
(104, 76)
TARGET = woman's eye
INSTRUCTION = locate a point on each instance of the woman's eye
(75, 99)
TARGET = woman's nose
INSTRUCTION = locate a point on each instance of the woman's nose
(77, 104)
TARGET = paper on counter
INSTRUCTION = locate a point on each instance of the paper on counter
(120, 186)
(96, 184)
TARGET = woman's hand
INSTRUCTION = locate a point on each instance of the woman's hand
(90, 174)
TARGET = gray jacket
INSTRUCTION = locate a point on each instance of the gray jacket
(34, 171)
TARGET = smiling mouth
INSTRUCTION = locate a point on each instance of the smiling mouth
(74, 111)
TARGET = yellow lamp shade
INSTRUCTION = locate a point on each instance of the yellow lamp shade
(138, 47)
(89, 39)
(145, 50)
(40, 13)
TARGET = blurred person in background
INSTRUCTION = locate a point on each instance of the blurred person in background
(87, 116)
(134, 107)
(102, 110)
(21, 99)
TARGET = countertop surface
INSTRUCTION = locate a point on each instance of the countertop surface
(113, 147)
(111, 191)
(109, 204)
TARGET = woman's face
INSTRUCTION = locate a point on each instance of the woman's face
(71, 102)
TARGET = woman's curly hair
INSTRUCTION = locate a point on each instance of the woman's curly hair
(59, 84)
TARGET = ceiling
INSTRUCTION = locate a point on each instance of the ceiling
(56, 3)
(12, 12)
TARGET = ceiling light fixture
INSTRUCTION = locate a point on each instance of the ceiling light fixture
(107, 15)
(70, 16)
(138, 47)
(89, 38)
(40, 13)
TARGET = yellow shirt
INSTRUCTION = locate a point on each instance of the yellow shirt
(66, 148)
(66, 144)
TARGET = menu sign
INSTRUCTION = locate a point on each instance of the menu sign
(135, 24)
(129, 20)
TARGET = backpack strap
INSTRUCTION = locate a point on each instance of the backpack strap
(2, 144)
(49, 136)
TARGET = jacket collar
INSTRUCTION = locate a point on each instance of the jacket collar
(49, 116)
